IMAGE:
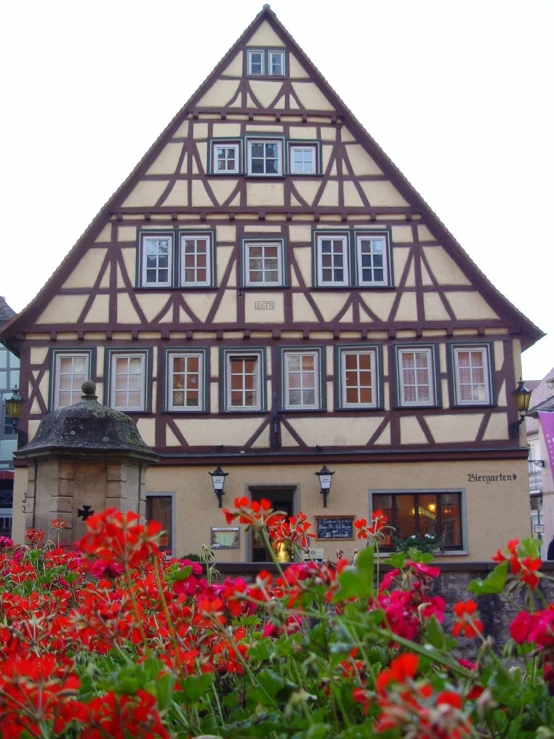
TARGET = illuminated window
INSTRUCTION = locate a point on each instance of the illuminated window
(422, 514)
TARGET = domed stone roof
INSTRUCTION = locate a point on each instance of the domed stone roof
(88, 428)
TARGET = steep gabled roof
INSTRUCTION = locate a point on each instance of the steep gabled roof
(519, 322)
(5, 311)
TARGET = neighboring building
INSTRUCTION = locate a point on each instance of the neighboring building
(9, 380)
(268, 293)
(541, 487)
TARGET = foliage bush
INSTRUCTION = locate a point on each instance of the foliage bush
(113, 641)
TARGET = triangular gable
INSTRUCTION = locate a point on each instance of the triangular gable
(307, 90)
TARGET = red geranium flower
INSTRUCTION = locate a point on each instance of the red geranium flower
(466, 624)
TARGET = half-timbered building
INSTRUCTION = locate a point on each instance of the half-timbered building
(268, 294)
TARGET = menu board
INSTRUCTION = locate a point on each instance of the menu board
(335, 527)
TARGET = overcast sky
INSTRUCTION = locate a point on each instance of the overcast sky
(459, 93)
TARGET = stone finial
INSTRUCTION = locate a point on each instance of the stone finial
(89, 390)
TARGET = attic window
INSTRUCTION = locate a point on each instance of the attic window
(265, 62)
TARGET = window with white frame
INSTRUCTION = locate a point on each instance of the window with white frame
(301, 380)
(372, 259)
(243, 381)
(226, 158)
(262, 62)
(256, 62)
(303, 159)
(263, 263)
(265, 157)
(416, 376)
(332, 259)
(185, 381)
(359, 378)
(196, 258)
(128, 381)
(472, 376)
(276, 63)
(157, 258)
(71, 369)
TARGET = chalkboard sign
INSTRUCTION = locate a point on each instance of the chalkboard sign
(335, 527)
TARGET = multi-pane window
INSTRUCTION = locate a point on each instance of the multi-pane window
(128, 381)
(416, 376)
(372, 260)
(358, 376)
(243, 382)
(195, 260)
(332, 259)
(256, 61)
(226, 158)
(260, 62)
(157, 255)
(421, 514)
(160, 508)
(185, 385)
(263, 263)
(9, 381)
(472, 375)
(265, 158)
(276, 63)
(301, 380)
(70, 371)
(302, 159)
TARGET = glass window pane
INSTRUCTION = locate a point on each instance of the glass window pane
(405, 516)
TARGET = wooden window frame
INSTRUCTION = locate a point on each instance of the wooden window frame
(225, 145)
(430, 351)
(249, 53)
(11, 366)
(488, 367)
(114, 354)
(57, 355)
(247, 243)
(360, 236)
(373, 351)
(319, 383)
(453, 549)
(227, 356)
(171, 496)
(196, 236)
(144, 236)
(301, 145)
(279, 141)
(338, 236)
(266, 58)
(170, 355)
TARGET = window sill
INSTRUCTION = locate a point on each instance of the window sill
(353, 287)
(448, 553)
(171, 288)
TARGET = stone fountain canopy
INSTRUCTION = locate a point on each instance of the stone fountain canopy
(89, 429)
(84, 459)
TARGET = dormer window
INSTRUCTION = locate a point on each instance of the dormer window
(265, 62)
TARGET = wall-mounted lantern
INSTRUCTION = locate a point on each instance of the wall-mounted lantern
(522, 398)
(325, 481)
(218, 482)
(14, 406)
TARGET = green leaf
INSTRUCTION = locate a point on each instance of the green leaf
(272, 682)
(195, 687)
(357, 581)
(494, 582)
(396, 560)
(434, 633)
(182, 574)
